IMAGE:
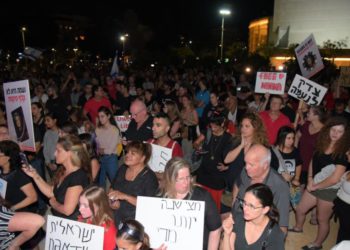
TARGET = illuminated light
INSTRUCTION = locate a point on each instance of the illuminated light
(17, 60)
(280, 68)
(260, 22)
(82, 37)
(53, 49)
(248, 69)
(152, 65)
(190, 42)
(227, 60)
(197, 58)
(338, 59)
(70, 66)
(283, 57)
(122, 38)
(51, 62)
(225, 12)
(23, 29)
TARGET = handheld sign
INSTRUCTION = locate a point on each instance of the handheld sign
(122, 122)
(270, 82)
(68, 234)
(160, 157)
(309, 57)
(179, 224)
(19, 113)
(3, 187)
(306, 90)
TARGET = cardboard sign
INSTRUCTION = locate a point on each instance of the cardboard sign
(306, 90)
(160, 157)
(19, 114)
(309, 57)
(179, 224)
(270, 82)
(68, 234)
(3, 188)
(122, 122)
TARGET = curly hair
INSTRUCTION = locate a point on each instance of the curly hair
(260, 135)
(324, 140)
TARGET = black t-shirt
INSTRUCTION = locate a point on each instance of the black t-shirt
(145, 184)
(274, 240)
(217, 149)
(15, 181)
(123, 103)
(76, 178)
(144, 133)
(320, 161)
(212, 220)
(291, 161)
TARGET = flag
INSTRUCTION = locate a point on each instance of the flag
(115, 68)
(32, 53)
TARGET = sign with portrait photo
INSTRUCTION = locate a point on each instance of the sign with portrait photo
(19, 114)
(309, 57)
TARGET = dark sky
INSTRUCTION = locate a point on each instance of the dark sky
(166, 20)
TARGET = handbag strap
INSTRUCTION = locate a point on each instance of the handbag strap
(280, 158)
(264, 244)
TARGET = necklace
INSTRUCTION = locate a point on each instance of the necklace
(214, 145)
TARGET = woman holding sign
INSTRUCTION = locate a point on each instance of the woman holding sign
(178, 184)
(134, 178)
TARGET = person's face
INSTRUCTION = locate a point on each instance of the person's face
(103, 118)
(133, 158)
(127, 245)
(213, 99)
(276, 104)
(253, 165)
(137, 112)
(336, 132)
(339, 108)
(216, 129)
(88, 89)
(4, 134)
(247, 129)
(18, 121)
(61, 154)
(49, 122)
(183, 181)
(160, 128)
(3, 159)
(182, 91)
(252, 207)
(185, 101)
(289, 141)
(99, 92)
(84, 208)
(310, 115)
(35, 110)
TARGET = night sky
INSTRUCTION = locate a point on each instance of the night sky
(163, 21)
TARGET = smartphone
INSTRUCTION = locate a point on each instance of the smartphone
(24, 159)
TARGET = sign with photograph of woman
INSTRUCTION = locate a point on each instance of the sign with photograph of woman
(19, 112)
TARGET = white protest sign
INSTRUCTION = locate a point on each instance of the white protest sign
(179, 224)
(122, 122)
(68, 234)
(309, 57)
(270, 82)
(19, 113)
(306, 90)
(3, 188)
(160, 157)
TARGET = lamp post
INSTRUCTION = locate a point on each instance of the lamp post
(122, 38)
(23, 29)
(223, 13)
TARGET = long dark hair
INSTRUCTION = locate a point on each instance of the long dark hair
(109, 113)
(264, 194)
(282, 135)
(133, 232)
(11, 149)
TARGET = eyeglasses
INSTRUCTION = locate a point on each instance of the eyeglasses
(183, 179)
(135, 114)
(243, 203)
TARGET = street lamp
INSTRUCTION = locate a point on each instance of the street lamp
(123, 38)
(223, 13)
(23, 29)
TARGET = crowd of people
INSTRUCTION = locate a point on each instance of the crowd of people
(250, 150)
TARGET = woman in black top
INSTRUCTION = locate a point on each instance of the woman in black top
(257, 228)
(70, 179)
(178, 184)
(134, 178)
(20, 192)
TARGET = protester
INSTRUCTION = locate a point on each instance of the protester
(70, 179)
(94, 209)
(178, 184)
(49, 142)
(257, 228)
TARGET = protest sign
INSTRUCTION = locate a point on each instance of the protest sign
(68, 234)
(344, 78)
(179, 224)
(270, 82)
(307, 90)
(3, 188)
(309, 57)
(19, 114)
(122, 122)
(160, 157)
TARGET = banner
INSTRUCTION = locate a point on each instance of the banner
(160, 157)
(306, 90)
(3, 188)
(122, 122)
(179, 224)
(309, 57)
(270, 82)
(68, 234)
(19, 114)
